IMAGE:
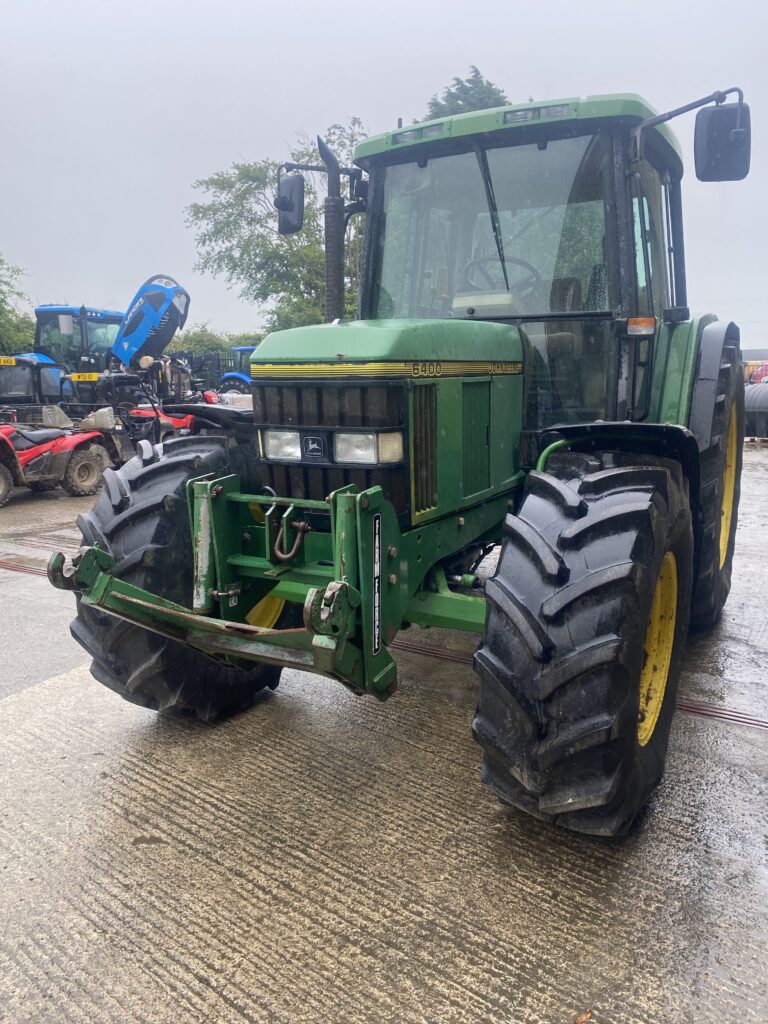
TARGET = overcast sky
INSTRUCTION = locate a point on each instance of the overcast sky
(111, 110)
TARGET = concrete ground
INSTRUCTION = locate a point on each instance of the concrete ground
(328, 859)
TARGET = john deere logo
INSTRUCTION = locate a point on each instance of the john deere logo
(313, 447)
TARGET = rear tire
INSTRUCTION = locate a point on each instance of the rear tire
(6, 485)
(141, 517)
(85, 470)
(238, 386)
(719, 489)
(569, 733)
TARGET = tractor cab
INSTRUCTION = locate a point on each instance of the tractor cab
(26, 384)
(548, 217)
(80, 337)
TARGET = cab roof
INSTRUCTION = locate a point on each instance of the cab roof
(90, 312)
(521, 115)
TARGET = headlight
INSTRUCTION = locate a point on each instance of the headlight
(357, 448)
(368, 449)
(282, 444)
(391, 447)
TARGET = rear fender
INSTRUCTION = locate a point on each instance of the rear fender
(74, 441)
(9, 459)
(714, 338)
(235, 375)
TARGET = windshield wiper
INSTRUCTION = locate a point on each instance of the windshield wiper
(492, 208)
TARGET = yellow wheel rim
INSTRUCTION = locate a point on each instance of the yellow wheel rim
(659, 640)
(729, 487)
(265, 612)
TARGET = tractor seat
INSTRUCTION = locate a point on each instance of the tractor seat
(41, 436)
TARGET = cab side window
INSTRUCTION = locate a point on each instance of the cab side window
(650, 220)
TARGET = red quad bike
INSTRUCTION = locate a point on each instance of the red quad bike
(42, 459)
(168, 425)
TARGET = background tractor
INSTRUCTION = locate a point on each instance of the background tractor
(237, 377)
(104, 369)
(524, 372)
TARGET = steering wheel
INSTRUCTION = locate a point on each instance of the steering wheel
(525, 286)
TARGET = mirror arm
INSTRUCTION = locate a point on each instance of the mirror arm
(718, 97)
(359, 206)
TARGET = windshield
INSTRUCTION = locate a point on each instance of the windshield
(100, 337)
(59, 337)
(505, 232)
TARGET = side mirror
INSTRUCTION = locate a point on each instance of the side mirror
(722, 143)
(290, 204)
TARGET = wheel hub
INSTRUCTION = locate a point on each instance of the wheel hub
(729, 487)
(659, 640)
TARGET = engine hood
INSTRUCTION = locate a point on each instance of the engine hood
(335, 349)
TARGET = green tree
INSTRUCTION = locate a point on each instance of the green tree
(247, 338)
(17, 328)
(237, 239)
(474, 92)
(201, 338)
(198, 339)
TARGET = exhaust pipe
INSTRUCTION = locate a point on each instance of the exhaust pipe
(333, 211)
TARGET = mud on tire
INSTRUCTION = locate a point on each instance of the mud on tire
(564, 646)
(6, 485)
(85, 467)
(141, 517)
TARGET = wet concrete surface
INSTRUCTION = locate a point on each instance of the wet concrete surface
(36, 641)
(324, 858)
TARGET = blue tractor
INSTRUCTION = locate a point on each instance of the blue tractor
(69, 340)
(85, 358)
(239, 377)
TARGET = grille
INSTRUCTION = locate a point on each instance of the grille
(424, 447)
(329, 406)
(325, 408)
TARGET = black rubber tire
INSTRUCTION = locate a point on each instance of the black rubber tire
(564, 645)
(141, 517)
(93, 459)
(712, 583)
(6, 485)
(41, 486)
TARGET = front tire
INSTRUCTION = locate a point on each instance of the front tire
(585, 632)
(141, 518)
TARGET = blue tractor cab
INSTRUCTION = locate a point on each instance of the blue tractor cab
(79, 337)
(68, 339)
(158, 309)
(238, 378)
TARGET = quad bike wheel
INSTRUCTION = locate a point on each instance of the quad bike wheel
(586, 624)
(6, 485)
(85, 470)
(141, 518)
(719, 494)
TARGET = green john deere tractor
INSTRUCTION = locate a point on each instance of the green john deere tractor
(525, 372)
